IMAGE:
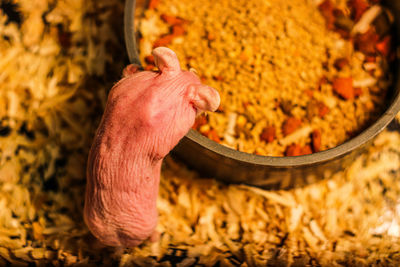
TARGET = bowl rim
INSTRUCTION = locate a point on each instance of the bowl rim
(272, 161)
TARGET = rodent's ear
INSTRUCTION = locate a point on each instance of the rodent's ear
(205, 98)
(166, 60)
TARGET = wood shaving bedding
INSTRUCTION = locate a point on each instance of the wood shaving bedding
(52, 98)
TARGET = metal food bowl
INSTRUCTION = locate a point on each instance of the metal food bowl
(232, 166)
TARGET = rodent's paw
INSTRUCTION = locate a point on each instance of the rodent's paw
(155, 236)
(129, 70)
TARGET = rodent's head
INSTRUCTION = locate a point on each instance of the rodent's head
(186, 83)
(161, 105)
(178, 97)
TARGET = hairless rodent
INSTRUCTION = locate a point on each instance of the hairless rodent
(146, 115)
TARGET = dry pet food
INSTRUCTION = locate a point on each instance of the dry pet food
(295, 77)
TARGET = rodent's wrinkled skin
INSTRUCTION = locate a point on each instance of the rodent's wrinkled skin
(146, 115)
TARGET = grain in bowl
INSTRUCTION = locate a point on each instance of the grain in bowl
(295, 77)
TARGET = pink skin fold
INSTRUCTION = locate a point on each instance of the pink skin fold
(146, 115)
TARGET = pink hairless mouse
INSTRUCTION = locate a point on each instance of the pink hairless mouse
(146, 115)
